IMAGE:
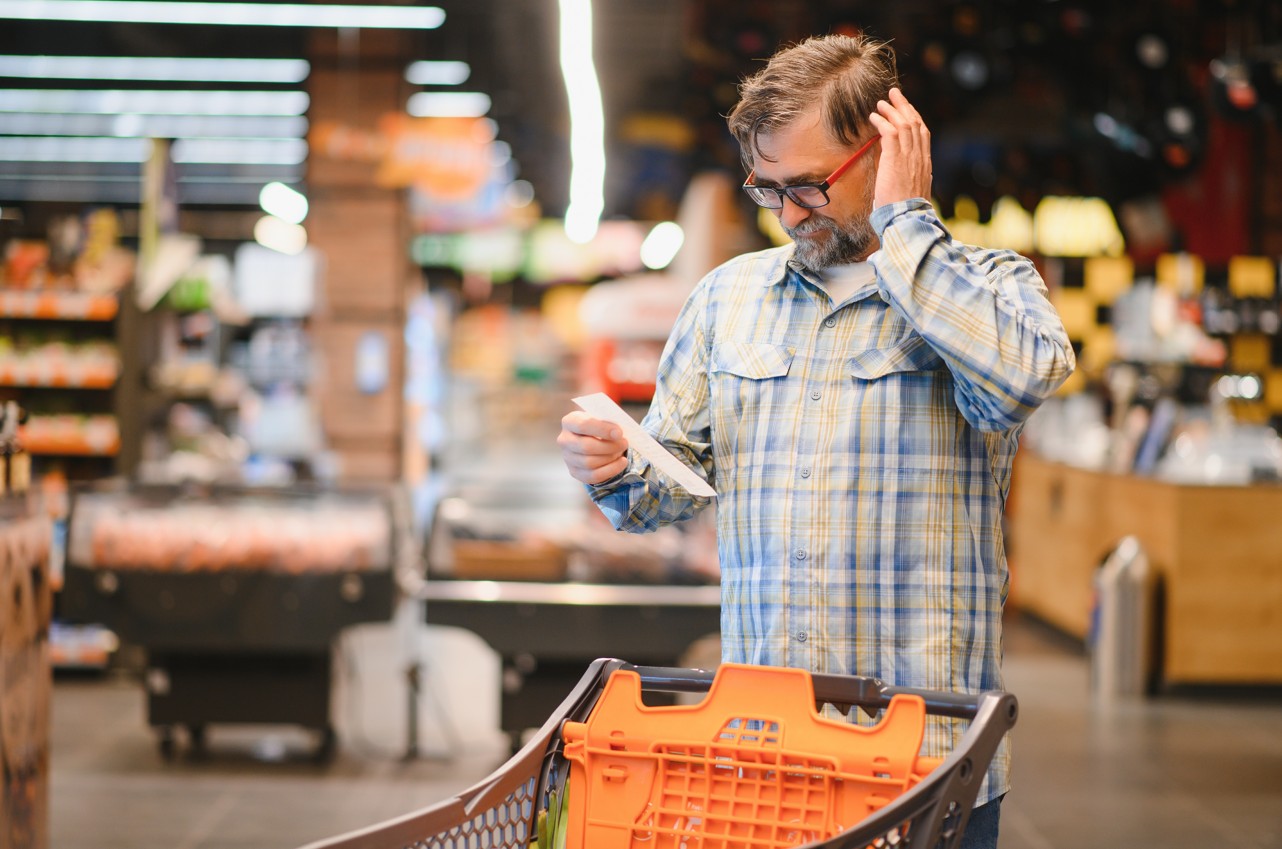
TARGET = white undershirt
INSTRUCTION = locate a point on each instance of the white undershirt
(842, 281)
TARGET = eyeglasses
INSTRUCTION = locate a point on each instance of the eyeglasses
(804, 195)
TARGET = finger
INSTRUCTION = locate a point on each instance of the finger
(889, 132)
(581, 424)
(902, 104)
(605, 472)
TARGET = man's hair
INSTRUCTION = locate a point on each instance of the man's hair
(844, 75)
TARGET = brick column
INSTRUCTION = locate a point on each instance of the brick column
(362, 232)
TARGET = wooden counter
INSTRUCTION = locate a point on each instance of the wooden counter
(1218, 550)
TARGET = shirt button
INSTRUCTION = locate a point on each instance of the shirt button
(802, 636)
(830, 322)
(801, 554)
(805, 473)
(816, 395)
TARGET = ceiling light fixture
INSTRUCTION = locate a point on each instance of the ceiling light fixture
(272, 232)
(661, 245)
(187, 151)
(131, 124)
(437, 73)
(283, 202)
(151, 102)
(227, 14)
(170, 69)
(587, 122)
(448, 104)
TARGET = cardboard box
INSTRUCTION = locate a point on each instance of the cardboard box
(26, 683)
(504, 560)
(353, 410)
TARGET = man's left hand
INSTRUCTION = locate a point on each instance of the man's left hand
(904, 170)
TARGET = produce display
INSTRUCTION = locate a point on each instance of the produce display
(325, 534)
(30, 359)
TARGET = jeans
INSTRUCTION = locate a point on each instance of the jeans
(981, 831)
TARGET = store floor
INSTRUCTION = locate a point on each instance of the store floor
(1183, 770)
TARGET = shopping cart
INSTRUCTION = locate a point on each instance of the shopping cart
(751, 766)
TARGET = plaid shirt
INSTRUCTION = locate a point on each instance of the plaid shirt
(862, 455)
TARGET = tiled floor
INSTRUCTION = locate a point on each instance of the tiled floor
(1189, 770)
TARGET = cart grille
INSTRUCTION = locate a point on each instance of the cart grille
(505, 825)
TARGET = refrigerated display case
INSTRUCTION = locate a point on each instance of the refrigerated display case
(235, 594)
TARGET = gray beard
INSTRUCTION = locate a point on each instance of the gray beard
(844, 245)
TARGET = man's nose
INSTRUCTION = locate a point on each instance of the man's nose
(790, 215)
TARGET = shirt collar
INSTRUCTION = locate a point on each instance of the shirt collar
(778, 273)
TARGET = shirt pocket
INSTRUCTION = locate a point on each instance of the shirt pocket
(752, 360)
(909, 355)
(901, 401)
(748, 380)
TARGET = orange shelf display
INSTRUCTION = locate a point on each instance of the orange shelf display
(58, 376)
(55, 305)
(71, 436)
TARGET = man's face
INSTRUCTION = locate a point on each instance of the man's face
(804, 152)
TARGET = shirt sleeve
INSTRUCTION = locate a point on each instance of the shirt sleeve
(985, 312)
(642, 498)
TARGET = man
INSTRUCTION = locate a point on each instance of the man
(856, 399)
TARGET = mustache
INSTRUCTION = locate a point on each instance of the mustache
(811, 225)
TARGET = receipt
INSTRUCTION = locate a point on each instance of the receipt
(601, 406)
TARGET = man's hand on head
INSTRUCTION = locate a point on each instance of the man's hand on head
(904, 168)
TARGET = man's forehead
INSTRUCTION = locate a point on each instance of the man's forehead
(807, 135)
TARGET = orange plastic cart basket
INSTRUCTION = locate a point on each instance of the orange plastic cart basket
(763, 771)
(752, 765)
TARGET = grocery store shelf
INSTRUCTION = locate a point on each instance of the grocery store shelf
(35, 377)
(57, 305)
(71, 436)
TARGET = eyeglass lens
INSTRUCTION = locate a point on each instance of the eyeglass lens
(770, 197)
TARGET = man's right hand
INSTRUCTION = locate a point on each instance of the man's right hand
(594, 450)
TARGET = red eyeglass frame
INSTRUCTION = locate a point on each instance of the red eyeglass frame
(822, 186)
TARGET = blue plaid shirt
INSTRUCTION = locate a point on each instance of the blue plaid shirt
(862, 455)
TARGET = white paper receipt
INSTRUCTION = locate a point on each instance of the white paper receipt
(601, 406)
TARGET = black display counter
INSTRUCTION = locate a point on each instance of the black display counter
(547, 633)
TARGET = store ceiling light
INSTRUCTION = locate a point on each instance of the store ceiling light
(152, 102)
(131, 124)
(189, 151)
(451, 104)
(437, 73)
(587, 122)
(661, 245)
(283, 202)
(240, 151)
(279, 235)
(171, 69)
(227, 14)
(38, 149)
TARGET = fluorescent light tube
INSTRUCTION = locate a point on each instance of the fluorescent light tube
(437, 73)
(587, 122)
(448, 104)
(153, 102)
(231, 14)
(171, 69)
(131, 124)
(192, 151)
(283, 202)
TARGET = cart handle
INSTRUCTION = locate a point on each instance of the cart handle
(871, 694)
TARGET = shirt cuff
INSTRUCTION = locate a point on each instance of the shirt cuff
(883, 215)
(624, 479)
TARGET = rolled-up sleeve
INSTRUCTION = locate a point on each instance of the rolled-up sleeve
(986, 313)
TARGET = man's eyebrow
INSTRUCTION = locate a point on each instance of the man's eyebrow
(794, 180)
